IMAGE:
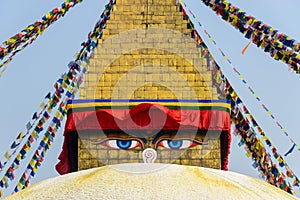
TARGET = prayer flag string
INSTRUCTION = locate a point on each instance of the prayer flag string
(65, 89)
(278, 45)
(253, 145)
(243, 80)
(31, 32)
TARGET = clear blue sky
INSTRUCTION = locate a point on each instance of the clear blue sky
(34, 71)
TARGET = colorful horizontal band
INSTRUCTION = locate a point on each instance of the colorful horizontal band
(83, 109)
(89, 105)
(76, 101)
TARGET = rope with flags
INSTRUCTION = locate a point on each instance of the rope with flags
(50, 133)
(244, 122)
(278, 45)
(8, 46)
(67, 86)
(21, 40)
(242, 79)
(65, 89)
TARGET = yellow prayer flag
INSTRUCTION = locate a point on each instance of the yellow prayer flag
(265, 138)
(226, 5)
(34, 169)
(263, 45)
(48, 16)
(71, 89)
(234, 22)
(7, 156)
(257, 145)
(45, 139)
(20, 186)
(44, 151)
(64, 85)
(234, 95)
(65, 77)
(42, 105)
(18, 156)
(63, 11)
(249, 22)
(26, 147)
(32, 163)
(33, 134)
(49, 106)
(76, 54)
(248, 154)
(11, 40)
(31, 27)
(58, 114)
(54, 130)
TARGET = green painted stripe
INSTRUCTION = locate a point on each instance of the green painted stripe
(83, 109)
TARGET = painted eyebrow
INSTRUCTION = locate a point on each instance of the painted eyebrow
(162, 133)
(102, 140)
(105, 135)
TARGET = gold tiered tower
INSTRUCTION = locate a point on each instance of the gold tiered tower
(147, 52)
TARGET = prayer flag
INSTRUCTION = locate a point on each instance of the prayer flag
(7, 156)
(290, 150)
(35, 116)
(14, 145)
(28, 126)
(20, 135)
(48, 96)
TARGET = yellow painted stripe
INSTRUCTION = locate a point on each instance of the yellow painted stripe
(182, 104)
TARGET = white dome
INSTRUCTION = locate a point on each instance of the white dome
(152, 181)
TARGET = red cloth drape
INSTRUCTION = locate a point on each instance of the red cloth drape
(144, 116)
(148, 116)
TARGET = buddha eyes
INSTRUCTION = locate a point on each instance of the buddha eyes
(177, 144)
(165, 143)
(121, 144)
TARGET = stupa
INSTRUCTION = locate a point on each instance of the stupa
(149, 86)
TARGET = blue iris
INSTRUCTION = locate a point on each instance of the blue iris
(124, 144)
(175, 144)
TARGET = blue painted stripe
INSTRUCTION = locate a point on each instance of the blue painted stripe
(77, 101)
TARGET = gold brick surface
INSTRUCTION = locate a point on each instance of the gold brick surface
(147, 64)
(206, 155)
